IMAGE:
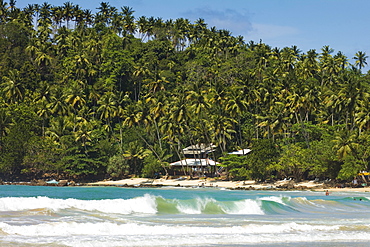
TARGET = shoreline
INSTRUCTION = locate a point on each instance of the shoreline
(283, 185)
(232, 185)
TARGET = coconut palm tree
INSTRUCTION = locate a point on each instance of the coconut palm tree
(5, 122)
(57, 129)
(142, 26)
(3, 11)
(75, 97)
(12, 87)
(108, 108)
(129, 25)
(346, 143)
(360, 59)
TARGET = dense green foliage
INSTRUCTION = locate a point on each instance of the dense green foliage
(87, 96)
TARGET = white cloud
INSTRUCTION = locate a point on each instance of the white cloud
(235, 21)
(270, 32)
(238, 23)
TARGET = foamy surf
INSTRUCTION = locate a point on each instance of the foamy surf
(133, 234)
(107, 228)
(186, 217)
(147, 204)
(144, 205)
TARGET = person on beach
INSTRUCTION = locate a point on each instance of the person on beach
(354, 182)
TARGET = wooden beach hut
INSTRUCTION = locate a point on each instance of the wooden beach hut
(199, 167)
(196, 161)
(198, 151)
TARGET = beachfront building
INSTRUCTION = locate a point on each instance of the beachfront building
(198, 151)
(241, 152)
(196, 162)
(195, 167)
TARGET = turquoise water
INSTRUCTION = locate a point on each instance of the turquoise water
(113, 216)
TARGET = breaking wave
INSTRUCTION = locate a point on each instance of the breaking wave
(150, 204)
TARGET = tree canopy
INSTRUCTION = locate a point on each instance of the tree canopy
(88, 95)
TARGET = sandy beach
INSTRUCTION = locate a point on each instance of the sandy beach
(249, 184)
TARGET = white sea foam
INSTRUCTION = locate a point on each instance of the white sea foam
(247, 206)
(278, 199)
(135, 234)
(145, 204)
(108, 228)
(130, 233)
(201, 239)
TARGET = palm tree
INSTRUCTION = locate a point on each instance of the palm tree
(158, 109)
(12, 5)
(5, 122)
(68, 10)
(129, 25)
(44, 112)
(57, 16)
(236, 106)
(12, 87)
(3, 11)
(83, 133)
(140, 73)
(341, 59)
(333, 106)
(134, 154)
(326, 52)
(142, 25)
(88, 17)
(105, 14)
(157, 85)
(351, 92)
(180, 33)
(44, 15)
(346, 143)
(75, 97)
(57, 129)
(197, 31)
(58, 104)
(78, 15)
(362, 115)
(29, 12)
(222, 131)
(199, 105)
(37, 8)
(308, 66)
(108, 107)
(41, 51)
(131, 116)
(360, 59)
(117, 23)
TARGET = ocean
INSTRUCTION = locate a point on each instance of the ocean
(116, 216)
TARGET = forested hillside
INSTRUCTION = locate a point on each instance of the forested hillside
(88, 95)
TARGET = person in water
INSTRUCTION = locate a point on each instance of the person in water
(327, 192)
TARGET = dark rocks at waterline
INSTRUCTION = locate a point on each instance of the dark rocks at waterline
(41, 182)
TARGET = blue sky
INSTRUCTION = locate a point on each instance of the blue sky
(344, 25)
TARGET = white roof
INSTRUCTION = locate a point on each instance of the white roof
(52, 182)
(195, 162)
(199, 148)
(241, 152)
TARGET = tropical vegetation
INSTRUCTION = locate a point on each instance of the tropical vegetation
(88, 96)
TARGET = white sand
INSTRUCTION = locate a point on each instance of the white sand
(202, 182)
